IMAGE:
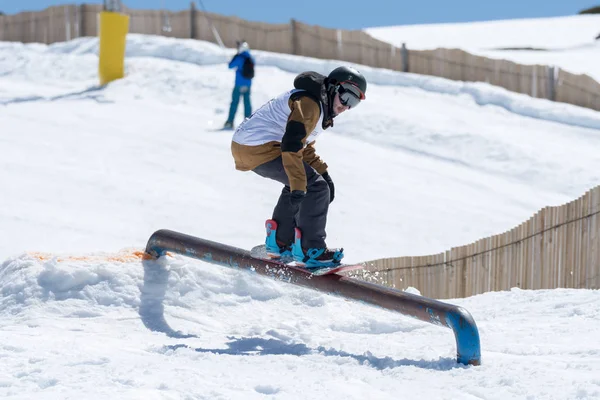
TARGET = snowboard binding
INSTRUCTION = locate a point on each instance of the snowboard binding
(274, 249)
(315, 257)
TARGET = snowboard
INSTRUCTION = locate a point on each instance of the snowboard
(260, 253)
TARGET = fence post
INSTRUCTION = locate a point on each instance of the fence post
(82, 27)
(294, 27)
(340, 44)
(534, 82)
(551, 82)
(48, 27)
(67, 10)
(2, 22)
(404, 52)
(76, 21)
(192, 20)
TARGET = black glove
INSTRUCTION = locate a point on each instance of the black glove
(296, 197)
(327, 178)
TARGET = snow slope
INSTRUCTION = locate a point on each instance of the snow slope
(88, 173)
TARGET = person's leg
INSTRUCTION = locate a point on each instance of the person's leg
(283, 214)
(235, 100)
(310, 216)
(247, 104)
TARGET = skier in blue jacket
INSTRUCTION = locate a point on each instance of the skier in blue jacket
(243, 82)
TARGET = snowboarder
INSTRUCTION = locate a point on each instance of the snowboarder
(278, 142)
(243, 62)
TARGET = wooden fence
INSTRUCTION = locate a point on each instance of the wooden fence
(61, 23)
(559, 247)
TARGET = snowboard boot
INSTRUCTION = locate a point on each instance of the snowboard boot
(275, 249)
(315, 257)
(228, 125)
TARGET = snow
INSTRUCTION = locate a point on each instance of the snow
(89, 173)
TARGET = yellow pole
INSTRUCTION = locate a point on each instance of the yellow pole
(112, 33)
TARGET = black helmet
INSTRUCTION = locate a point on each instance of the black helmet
(348, 75)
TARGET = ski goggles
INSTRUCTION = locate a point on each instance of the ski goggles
(350, 94)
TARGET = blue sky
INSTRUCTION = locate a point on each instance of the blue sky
(352, 14)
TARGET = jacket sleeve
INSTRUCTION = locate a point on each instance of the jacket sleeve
(304, 116)
(312, 159)
(236, 61)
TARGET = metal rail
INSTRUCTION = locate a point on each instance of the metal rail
(435, 312)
